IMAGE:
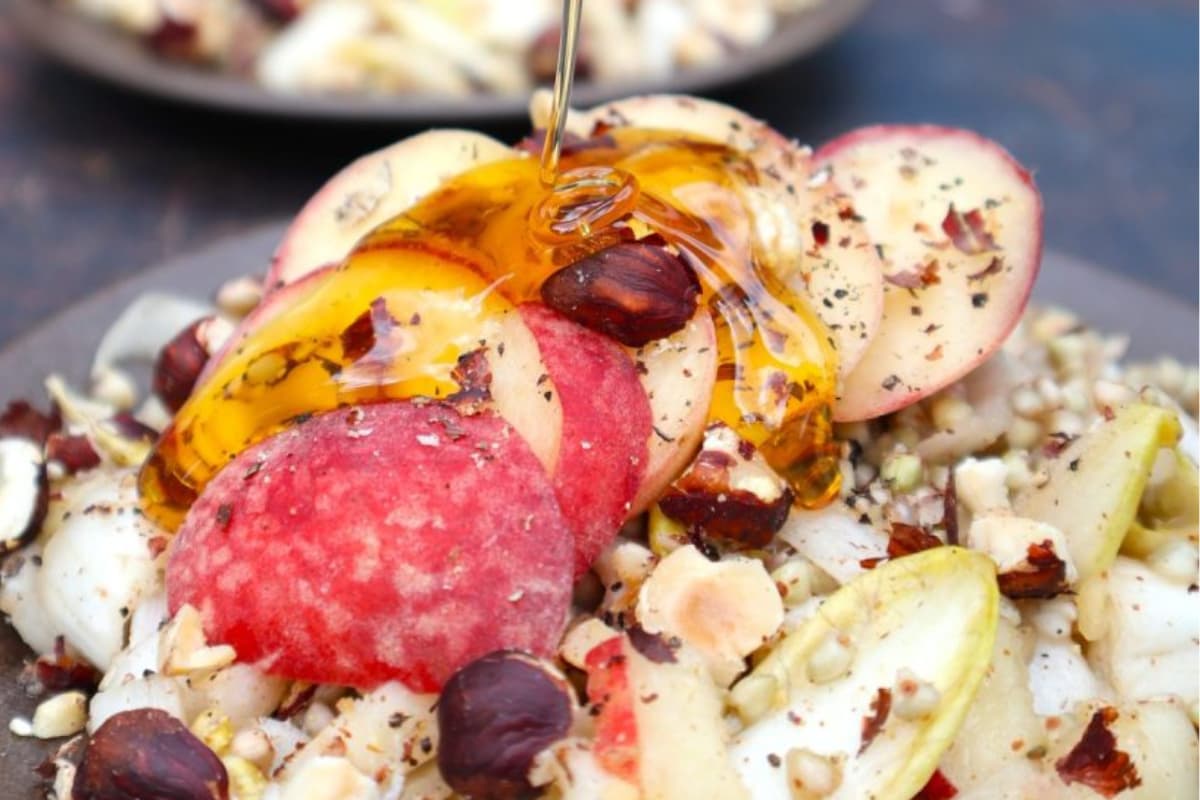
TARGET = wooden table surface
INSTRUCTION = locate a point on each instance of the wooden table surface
(1099, 97)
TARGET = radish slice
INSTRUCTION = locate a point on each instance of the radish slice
(959, 225)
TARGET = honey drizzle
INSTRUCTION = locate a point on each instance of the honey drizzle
(564, 77)
(429, 286)
(485, 241)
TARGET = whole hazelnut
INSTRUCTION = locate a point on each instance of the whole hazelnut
(494, 716)
(634, 292)
(146, 754)
(179, 365)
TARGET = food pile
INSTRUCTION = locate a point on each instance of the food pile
(437, 46)
(726, 469)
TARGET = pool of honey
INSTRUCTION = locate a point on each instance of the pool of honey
(430, 285)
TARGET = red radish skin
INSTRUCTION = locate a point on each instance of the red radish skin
(605, 427)
(391, 541)
(953, 291)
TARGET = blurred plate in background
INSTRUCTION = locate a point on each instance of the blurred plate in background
(121, 59)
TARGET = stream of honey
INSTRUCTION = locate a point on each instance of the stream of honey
(433, 284)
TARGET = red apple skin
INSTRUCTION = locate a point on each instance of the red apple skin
(606, 424)
(899, 349)
(616, 741)
(394, 541)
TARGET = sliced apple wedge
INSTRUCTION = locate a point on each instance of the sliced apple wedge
(522, 390)
(677, 374)
(372, 190)
(272, 305)
(1001, 726)
(959, 225)
(875, 686)
(658, 722)
(1096, 484)
(823, 254)
(1148, 649)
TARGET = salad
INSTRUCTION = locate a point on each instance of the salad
(384, 46)
(724, 468)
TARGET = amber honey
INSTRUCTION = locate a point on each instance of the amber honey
(428, 287)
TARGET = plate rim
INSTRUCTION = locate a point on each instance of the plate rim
(99, 51)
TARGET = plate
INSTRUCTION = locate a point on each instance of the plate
(1157, 323)
(117, 58)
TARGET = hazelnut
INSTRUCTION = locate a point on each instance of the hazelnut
(148, 754)
(179, 365)
(24, 491)
(634, 292)
(494, 716)
(729, 492)
(73, 451)
(20, 419)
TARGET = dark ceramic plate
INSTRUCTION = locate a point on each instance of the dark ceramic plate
(120, 59)
(1158, 324)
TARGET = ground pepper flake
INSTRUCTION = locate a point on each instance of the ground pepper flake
(968, 232)
(881, 706)
(950, 510)
(1096, 762)
(820, 233)
(993, 268)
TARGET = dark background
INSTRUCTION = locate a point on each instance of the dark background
(1098, 97)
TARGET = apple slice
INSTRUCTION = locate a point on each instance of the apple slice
(606, 425)
(393, 541)
(271, 306)
(677, 374)
(822, 253)
(371, 191)
(1001, 726)
(659, 723)
(521, 391)
(394, 298)
(959, 225)
(875, 686)
(1096, 484)
(1151, 624)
